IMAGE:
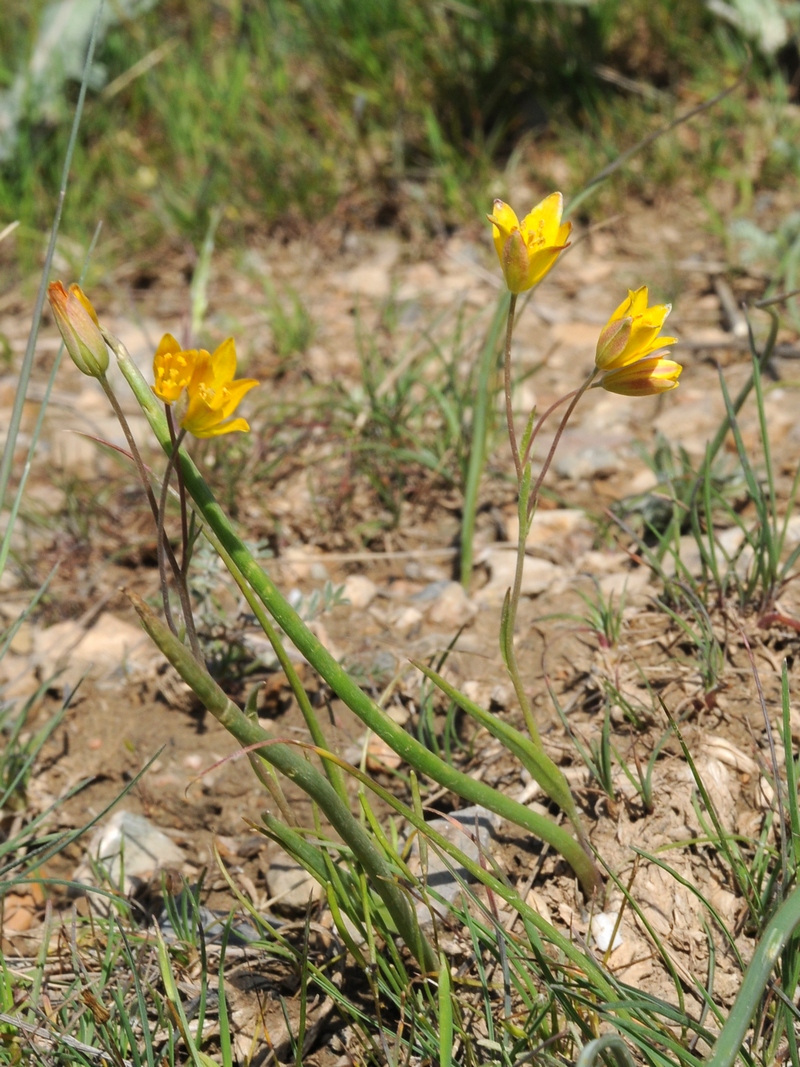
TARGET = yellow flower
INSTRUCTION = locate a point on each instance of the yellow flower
(528, 249)
(77, 321)
(645, 377)
(172, 369)
(214, 395)
(632, 332)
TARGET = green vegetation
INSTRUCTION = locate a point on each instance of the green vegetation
(258, 115)
(276, 113)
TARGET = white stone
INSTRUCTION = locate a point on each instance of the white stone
(110, 644)
(471, 831)
(602, 930)
(130, 847)
(360, 591)
(537, 574)
(290, 886)
(408, 620)
(452, 608)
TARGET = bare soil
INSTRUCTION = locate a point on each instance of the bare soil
(299, 486)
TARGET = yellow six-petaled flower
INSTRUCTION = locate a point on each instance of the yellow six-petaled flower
(212, 392)
(626, 345)
(528, 249)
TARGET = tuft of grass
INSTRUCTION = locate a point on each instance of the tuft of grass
(273, 112)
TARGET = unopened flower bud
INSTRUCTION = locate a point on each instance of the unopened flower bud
(611, 342)
(77, 322)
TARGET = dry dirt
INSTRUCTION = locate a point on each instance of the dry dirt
(300, 488)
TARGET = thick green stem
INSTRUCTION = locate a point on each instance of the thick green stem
(292, 763)
(151, 498)
(768, 951)
(301, 696)
(163, 541)
(407, 747)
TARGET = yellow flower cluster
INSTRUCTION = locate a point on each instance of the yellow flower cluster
(625, 350)
(212, 393)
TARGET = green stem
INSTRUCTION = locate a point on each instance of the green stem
(301, 696)
(534, 497)
(512, 433)
(292, 763)
(772, 943)
(151, 497)
(162, 541)
(479, 436)
(407, 747)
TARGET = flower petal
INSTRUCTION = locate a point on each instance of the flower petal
(504, 222)
(223, 361)
(647, 377)
(166, 345)
(233, 394)
(541, 225)
(234, 426)
(540, 263)
(643, 337)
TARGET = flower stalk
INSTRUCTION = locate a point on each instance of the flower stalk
(291, 762)
(406, 746)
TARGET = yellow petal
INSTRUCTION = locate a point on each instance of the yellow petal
(202, 373)
(173, 369)
(233, 394)
(647, 377)
(167, 344)
(234, 426)
(624, 310)
(639, 300)
(504, 222)
(503, 218)
(541, 225)
(223, 362)
(539, 265)
(76, 291)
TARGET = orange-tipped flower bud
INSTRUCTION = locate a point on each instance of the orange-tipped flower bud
(77, 322)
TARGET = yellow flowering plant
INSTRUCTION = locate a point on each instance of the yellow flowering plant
(627, 359)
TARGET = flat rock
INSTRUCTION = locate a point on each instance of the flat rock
(452, 608)
(566, 530)
(592, 461)
(360, 591)
(290, 886)
(471, 831)
(537, 575)
(110, 644)
(128, 847)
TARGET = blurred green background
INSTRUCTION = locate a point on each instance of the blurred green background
(407, 113)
